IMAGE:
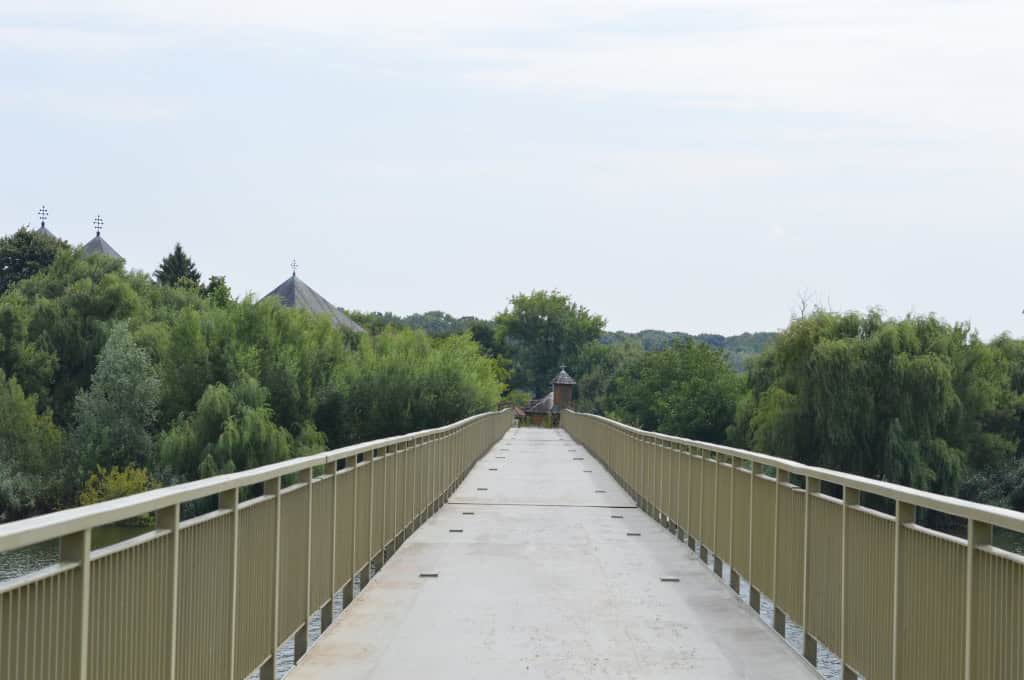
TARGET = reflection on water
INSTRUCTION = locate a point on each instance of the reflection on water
(24, 561)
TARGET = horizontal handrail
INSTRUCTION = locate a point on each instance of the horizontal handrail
(52, 525)
(1003, 517)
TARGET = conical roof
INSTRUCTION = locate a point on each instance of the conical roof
(45, 232)
(98, 246)
(294, 292)
(563, 378)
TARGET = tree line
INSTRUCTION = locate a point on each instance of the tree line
(113, 381)
(914, 400)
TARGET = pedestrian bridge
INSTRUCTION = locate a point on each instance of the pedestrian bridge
(481, 550)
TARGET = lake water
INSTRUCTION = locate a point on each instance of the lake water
(23, 561)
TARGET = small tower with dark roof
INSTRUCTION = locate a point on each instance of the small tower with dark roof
(98, 246)
(562, 387)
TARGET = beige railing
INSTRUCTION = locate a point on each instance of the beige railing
(215, 596)
(893, 599)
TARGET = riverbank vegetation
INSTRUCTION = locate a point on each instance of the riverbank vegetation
(112, 382)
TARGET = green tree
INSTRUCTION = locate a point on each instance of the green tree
(53, 325)
(598, 370)
(541, 331)
(913, 401)
(218, 291)
(24, 253)
(688, 390)
(184, 368)
(177, 269)
(30, 455)
(107, 484)
(403, 381)
(232, 429)
(115, 418)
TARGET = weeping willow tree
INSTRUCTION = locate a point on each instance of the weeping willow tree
(914, 401)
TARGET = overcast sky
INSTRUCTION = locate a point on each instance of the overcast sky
(689, 165)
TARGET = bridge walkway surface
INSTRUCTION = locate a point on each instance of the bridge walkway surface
(545, 568)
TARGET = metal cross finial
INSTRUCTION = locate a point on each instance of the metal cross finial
(295, 267)
(43, 214)
(98, 224)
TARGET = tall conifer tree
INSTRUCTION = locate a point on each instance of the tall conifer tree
(176, 268)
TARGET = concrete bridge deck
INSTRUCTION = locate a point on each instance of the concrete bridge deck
(538, 577)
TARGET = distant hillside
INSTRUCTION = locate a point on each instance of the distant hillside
(738, 348)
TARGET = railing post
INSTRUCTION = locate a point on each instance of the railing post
(905, 514)
(756, 469)
(348, 593)
(979, 534)
(690, 497)
(700, 510)
(714, 518)
(302, 634)
(851, 499)
(169, 519)
(77, 548)
(734, 576)
(273, 487)
(228, 500)
(327, 611)
(811, 487)
(778, 616)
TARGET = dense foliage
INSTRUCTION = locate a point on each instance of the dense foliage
(108, 376)
(915, 401)
(541, 331)
(111, 383)
(738, 349)
(24, 253)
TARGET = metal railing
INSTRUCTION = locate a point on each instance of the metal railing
(215, 596)
(892, 598)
